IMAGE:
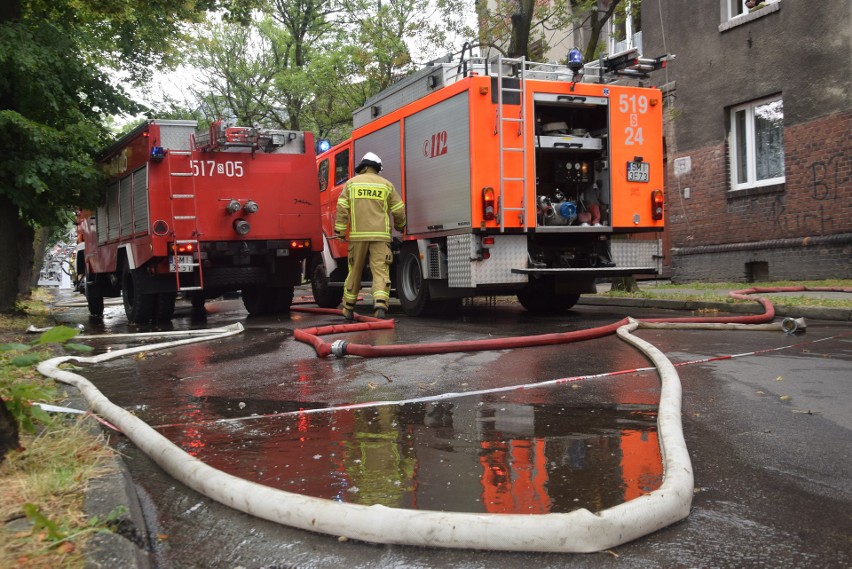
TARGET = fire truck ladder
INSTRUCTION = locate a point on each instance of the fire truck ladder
(184, 225)
(506, 151)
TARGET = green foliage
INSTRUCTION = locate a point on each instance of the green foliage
(60, 66)
(308, 66)
(18, 394)
(42, 523)
(17, 397)
(513, 26)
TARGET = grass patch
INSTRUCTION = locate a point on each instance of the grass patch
(41, 496)
(42, 488)
(718, 292)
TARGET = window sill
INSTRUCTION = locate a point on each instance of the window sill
(756, 191)
(751, 16)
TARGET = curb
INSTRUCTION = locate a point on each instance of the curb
(127, 544)
(813, 312)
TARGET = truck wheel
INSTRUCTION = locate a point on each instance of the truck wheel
(94, 296)
(283, 298)
(138, 306)
(539, 297)
(324, 295)
(258, 300)
(197, 299)
(165, 307)
(412, 289)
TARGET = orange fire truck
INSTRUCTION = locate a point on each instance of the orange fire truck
(200, 213)
(518, 178)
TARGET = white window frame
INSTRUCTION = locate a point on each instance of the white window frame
(734, 143)
(732, 9)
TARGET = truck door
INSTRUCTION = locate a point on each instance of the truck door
(333, 171)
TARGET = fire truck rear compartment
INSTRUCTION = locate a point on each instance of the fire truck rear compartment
(229, 265)
(571, 170)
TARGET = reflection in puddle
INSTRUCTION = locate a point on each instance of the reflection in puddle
(467, 456)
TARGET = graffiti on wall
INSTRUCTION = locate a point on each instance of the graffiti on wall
(814, 215)
(825, 177)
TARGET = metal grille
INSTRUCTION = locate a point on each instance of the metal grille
(437, 269)
(176, 136)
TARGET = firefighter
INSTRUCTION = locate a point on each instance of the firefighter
(363, 207)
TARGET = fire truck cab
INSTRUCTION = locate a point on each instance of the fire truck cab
(200, 213)
(518, 178)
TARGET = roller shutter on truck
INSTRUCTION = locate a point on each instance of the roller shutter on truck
(437, 167)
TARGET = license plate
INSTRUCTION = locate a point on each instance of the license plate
(638, 172)
(184, 264)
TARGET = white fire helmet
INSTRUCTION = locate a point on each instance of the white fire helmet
(371, 160)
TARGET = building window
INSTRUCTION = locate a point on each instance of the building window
(735, 8)
(756, 144)
(626, 29)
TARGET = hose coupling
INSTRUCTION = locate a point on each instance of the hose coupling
(338, 348)
(789, 325)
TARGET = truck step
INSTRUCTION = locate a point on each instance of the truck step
(183, 288)
(182, 174)
(180, 152)
(182, 196)
(184, 241)
(600, 271)
(184, 217)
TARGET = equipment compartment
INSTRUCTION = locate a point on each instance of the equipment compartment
(572, 174)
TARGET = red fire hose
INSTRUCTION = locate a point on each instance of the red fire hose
(342, 348)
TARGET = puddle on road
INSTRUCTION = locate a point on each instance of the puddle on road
(471, 455)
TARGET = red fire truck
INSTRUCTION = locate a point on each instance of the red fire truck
(518, 178)
(201, 213)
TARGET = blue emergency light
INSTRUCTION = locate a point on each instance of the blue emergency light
(158, 153)
(323, 145)
(575, 60)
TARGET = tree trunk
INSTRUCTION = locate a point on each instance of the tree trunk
(40, 246)
(626, 284)
(8, 254)
(8, 431)
(25, 237)
(521, 24)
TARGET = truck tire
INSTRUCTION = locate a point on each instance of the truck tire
(324, 295)
(94, 296)
(165, 307)
(411, 287)
(258, 300)
(197, 299)
(283, 298)
(538, 297)
(138, 306)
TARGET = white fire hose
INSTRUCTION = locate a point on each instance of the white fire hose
(577, 531)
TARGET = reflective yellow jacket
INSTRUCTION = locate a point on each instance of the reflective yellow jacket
(364, 205)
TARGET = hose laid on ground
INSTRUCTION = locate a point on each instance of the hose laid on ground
(341, 348)
(577, 531)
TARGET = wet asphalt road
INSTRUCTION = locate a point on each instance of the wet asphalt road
(768, 435)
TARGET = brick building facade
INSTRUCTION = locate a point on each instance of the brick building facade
(758, 138)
